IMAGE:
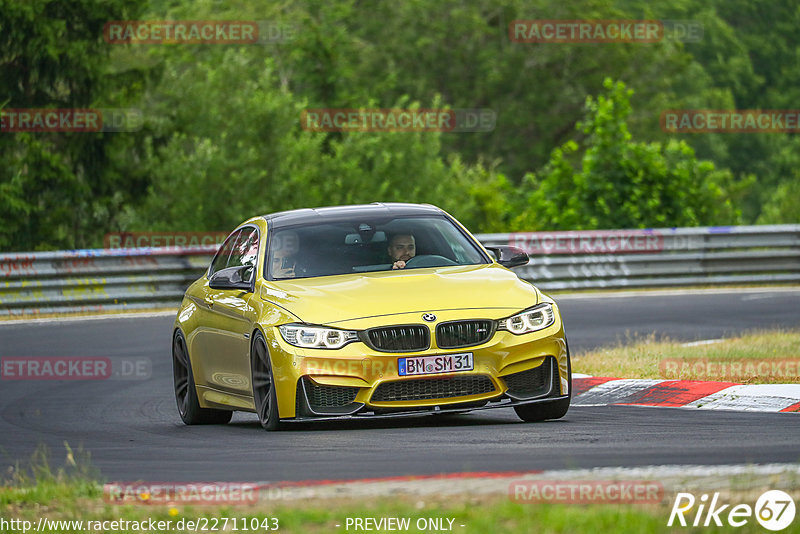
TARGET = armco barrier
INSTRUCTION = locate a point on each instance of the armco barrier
(658, 257)
(96, 280)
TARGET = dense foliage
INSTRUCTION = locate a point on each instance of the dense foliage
(577, 142)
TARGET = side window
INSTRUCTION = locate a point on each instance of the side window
(220, 261)
(251, 250)
(245, 251)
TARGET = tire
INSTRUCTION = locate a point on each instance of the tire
(265, 397)
(532, 413)
(186, 392)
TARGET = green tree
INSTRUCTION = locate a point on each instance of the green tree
(782, 207)
(621, 183)
(247, 154)
(222, 138)
(57, 188)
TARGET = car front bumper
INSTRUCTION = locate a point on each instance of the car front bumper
(354, 383)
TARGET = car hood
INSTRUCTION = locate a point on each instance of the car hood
(335, 299)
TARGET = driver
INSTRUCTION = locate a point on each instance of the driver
(402, 248)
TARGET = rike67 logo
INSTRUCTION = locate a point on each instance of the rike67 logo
(774, 510)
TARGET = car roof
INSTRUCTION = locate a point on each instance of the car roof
(346, 213)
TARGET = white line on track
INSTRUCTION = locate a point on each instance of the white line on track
(676, 293)
(110, 316)
(702, 342)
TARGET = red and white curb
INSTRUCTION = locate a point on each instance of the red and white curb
(604, 391)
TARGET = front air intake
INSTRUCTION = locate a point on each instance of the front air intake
(458, 334)
(433, 388)
(403, 338)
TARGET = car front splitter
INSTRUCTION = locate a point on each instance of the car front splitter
(436, 410)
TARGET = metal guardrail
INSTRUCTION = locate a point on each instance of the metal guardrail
(658, 257)
(98, 279)
(113, 279)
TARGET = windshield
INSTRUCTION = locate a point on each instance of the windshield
(361, 246)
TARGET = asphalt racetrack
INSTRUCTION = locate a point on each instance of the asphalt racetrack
(132, 428)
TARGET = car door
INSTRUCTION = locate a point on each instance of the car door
(200, 337)
(228, 319)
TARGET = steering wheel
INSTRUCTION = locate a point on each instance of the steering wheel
(429, 260)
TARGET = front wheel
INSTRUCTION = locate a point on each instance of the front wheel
(542, 411)
(265, 397)
(186, 392)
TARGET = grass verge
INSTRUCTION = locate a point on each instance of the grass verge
(759, 357)
(460, 514)
(490, 515)
(70, 500)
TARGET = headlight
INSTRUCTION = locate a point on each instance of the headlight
(537, 318)
(316, 337)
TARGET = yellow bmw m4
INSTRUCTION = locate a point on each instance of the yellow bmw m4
(370, 311)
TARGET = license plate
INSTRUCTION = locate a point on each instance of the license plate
(432, 365)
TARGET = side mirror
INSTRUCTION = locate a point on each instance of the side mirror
(509, 256)
(232, 278)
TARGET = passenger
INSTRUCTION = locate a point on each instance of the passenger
(284, 257)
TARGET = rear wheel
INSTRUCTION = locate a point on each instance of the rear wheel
(265, 397)
(542, 411)
(186, 392)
